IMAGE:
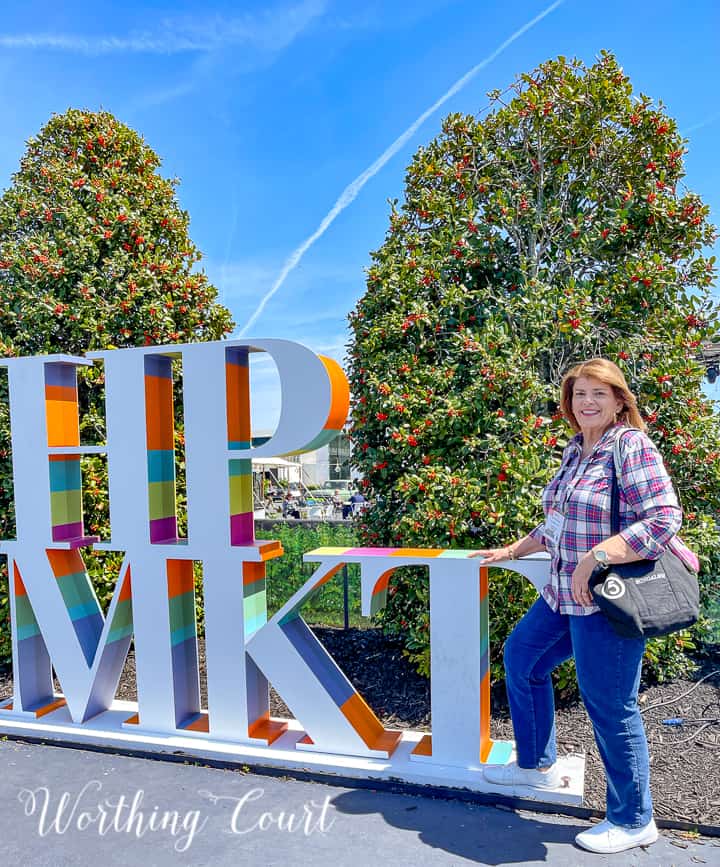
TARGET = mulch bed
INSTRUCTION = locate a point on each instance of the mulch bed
(684, 760)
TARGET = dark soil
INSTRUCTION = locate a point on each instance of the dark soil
(684, 759)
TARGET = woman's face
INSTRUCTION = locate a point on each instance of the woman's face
(594, 405)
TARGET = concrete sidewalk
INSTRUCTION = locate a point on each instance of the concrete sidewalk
(69, 807)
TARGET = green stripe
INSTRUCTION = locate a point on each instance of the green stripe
(241, 495)
(76, 589)
(254, 606)
(66, 507)
(24, 614)
(182, 611)
(123, 615)
(256, 587)
(162, 499)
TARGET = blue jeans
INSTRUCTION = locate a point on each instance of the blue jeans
(608, 673)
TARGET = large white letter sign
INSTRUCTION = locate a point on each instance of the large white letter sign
(58, 625)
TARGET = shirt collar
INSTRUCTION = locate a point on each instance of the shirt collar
(608, 437)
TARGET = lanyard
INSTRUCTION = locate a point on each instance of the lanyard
(568, 486)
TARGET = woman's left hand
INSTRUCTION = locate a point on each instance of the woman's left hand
(580, 578)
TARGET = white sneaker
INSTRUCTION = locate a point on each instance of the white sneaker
(512, 775)
(607, 838)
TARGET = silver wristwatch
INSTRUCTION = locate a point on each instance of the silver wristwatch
(601, 556)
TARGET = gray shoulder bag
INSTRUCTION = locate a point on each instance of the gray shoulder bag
(648, 597)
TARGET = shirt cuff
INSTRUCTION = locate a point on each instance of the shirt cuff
(538, 533)
(649, 542)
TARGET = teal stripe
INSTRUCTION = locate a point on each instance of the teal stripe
(161, 465)
(29, 631)
(500, 753)
(77, 612)
(293, 614)
(255, 587)
(177, 636)
(456, 553)
(119, 633)
(238, 444)
(76, 590)
(65, 475)
(123, 615)
(241, 467)
(182, 611)
(322, 439)
(24, 615)
(252, 624)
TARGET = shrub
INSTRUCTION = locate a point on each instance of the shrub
(94, 253)
(554, 229)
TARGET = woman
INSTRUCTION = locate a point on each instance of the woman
(565, 623)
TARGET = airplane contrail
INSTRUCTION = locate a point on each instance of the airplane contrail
(351, 191)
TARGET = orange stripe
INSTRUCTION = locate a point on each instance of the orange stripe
(201, 724)
(267, 729)
(270, 550)
(180, 577)
(159, 412)
(483, 582)
(424, 746)
(362, 719)
(65, 562)
(237, 395)
(339, 394)
(382, 582)
(126, 592)
(329, 575)
(49, 708)
(61, 392)
(253, 572)
(19, 586)
(417, 552)
(63, 427)
(485, 742)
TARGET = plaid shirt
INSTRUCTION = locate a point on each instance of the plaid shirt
(650, 516)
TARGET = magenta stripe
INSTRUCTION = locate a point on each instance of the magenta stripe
(61, 532)
(242, 529)
(372, 552)
(163, 529)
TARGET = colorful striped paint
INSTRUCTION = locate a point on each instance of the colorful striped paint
(350, 703)
(443, 553)
(121, 626)
(79, 597)
(254, 597)
(63, 429)
(25, 621)
(61, 405)
(183, 638)
(160, 432)
(339, 406)
(239, 434)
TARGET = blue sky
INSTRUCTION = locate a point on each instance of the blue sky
(268, 111)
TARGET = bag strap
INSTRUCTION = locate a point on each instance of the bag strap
(614, 489)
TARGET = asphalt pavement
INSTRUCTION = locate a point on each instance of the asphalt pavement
(72, 807)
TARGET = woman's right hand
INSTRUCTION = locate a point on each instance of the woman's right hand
(494, 555)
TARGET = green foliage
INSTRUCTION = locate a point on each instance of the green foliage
(286, 574)
(554, 229)
(94, 254)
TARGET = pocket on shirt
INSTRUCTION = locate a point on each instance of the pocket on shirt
(592, 492)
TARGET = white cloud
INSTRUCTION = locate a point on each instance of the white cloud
(271, 30)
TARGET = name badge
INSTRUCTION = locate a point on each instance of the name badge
(553, 526)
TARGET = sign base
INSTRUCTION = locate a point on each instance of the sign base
(109, 730)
